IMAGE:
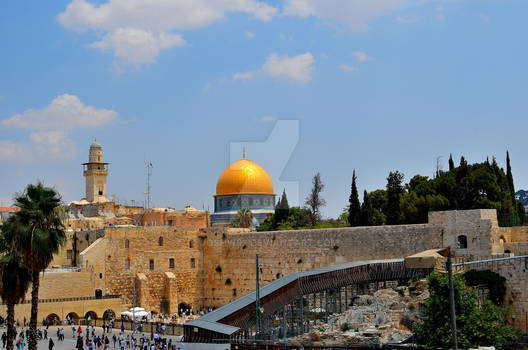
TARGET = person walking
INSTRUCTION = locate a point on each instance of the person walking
(114, 339)
(51, 344)
(4, 339)
(73, 330)
(79, 345)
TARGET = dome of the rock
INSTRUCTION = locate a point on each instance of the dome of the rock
(244, 177)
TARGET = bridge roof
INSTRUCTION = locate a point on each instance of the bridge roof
(211, 320)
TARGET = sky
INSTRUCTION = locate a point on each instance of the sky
(306, 86)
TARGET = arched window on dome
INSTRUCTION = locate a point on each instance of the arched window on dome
(160, 241)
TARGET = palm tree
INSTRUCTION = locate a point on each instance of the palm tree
(14, 276)
(40, 213)
(244, 218)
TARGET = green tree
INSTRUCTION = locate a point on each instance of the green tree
(367, 211)
(510, 176)
(314, 201)
(244, 218)
(451, 162)
(44, 234)
(354, 208)
(14, 276)
(395, 190)
(475, 327)
(282, 210)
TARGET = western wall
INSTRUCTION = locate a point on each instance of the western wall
(210, 267)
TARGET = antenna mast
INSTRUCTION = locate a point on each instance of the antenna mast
(147, 193)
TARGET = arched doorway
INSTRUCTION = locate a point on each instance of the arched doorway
(90, 315)
(183, 309)
(53, 319)
(73, 317)
(109, 315)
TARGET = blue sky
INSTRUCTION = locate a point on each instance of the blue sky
(375, 85)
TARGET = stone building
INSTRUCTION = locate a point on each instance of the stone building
(244, 184)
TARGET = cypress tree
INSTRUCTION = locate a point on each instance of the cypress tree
(354, 207)
(395, 190)
(366, 210)
(282, 210)
(510, 176)
(451, 163)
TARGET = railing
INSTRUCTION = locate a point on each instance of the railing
(175, 329)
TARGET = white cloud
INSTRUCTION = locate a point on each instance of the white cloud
(354, 14)
(10, 150)
(408, 20)
(148, 26)
(267, 119)
(49, 128)
(136, 45)
(250, 35)
(243, 75)
(296, 69)
(52, 144)
(361, 56)
(347, 68)
(65, 112)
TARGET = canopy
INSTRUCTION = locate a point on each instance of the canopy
(141, 314)
(126, 313)
(136, 309)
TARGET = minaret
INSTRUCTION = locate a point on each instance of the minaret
(95, 172)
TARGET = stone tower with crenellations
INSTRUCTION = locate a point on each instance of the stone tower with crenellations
(95, 173)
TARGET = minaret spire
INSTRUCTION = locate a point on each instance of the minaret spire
(243, 152)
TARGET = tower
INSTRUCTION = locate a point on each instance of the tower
(95, 173)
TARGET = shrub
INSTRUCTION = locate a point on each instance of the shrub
(299, 261)
(336, 247)
(218, 268)
(345, 327)
(228, 282)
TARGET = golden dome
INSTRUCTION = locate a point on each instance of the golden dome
(244, 176)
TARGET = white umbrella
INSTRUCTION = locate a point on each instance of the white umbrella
(127, 313)
(136, 309)
(141, 313)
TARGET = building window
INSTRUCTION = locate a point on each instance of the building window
(127, 264)
(462, 242)
(151, 264)
(69, 254)
(127, 243)
(191, 244)
(182, 221)
(160, 241)
(192, 263)
(192, 221)
(100, 275)
(171, 263)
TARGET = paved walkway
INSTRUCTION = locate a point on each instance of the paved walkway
(69, 343)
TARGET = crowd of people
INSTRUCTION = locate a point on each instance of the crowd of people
(89, 339)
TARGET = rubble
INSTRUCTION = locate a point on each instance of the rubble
(384, 317)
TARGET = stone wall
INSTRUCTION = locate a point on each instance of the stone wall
(230, 258)
(180, 244)
(65, 285)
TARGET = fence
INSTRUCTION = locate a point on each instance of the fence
(147, 327)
